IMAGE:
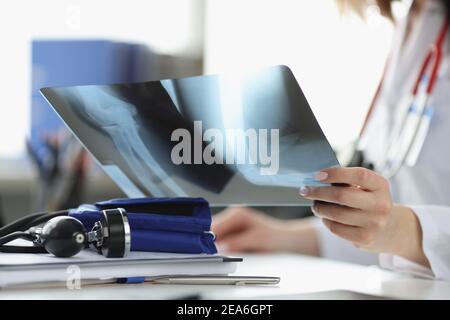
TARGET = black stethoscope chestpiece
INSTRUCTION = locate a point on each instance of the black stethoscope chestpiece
(111, 235)
(117, 242)
(66, 236)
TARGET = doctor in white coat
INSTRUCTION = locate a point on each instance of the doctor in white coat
(398, 214)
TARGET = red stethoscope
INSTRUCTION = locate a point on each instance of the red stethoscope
(408, 135)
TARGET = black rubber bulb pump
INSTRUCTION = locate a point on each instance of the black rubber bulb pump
(64, 236)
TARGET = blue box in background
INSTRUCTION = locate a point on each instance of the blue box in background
(79, 62)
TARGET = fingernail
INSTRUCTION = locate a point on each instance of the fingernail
(304, 191)
(321, 175)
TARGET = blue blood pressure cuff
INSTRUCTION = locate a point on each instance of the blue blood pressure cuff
(179, 225)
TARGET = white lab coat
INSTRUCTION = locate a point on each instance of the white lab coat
(425, 188)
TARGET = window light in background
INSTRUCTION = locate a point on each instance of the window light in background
(338, 60)
(173, 27)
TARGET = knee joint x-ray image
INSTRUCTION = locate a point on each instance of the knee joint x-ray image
(240, 138)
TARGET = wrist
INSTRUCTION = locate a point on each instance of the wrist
(405, 236)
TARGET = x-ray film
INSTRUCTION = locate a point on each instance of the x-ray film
(240, 138)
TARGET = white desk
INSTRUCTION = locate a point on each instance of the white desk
(300, 275)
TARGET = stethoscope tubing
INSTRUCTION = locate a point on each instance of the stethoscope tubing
(29, 221)
(17, 229)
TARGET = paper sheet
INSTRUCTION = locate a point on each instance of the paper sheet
(91, 256)
(16, 269)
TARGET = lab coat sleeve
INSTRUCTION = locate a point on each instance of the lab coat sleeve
(435, 223)
(333, 247)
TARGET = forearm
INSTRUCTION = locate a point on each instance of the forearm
(301, 236)
(405, 237)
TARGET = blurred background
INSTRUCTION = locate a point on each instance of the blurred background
(337, 59)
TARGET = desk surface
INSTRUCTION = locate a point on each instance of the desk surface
(301, 277)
